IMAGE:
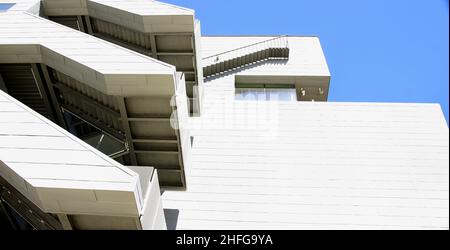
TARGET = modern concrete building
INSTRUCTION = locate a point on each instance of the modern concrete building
(121, 115)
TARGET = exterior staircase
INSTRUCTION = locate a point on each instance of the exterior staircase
(274, 48)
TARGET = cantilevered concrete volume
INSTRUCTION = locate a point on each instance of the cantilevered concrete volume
(121, 115)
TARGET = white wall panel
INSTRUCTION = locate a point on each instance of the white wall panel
(302, 165)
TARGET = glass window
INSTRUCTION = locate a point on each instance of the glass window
(281, 94)
(93, 136)
(5, 6)
(265, 92)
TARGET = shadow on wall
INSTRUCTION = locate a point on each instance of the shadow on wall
(171, 218)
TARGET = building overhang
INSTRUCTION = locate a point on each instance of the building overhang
(57, 171)
(26, 38)
(85, 69)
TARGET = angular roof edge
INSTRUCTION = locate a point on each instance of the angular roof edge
(61, 194)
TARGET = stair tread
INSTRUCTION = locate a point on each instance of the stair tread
(244, 60)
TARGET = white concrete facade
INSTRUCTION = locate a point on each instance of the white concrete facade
(104, 66)
(61, 174)
(111, 69)
(304, 165)
(247, 164)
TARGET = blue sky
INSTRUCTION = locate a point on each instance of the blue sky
(377, 50)
(5, 6)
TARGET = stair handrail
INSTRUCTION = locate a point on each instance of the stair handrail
(276, 42)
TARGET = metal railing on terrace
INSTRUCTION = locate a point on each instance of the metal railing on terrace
(274, 48)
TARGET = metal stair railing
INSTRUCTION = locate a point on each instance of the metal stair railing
(274, 48)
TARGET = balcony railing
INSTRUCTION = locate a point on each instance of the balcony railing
(274, 48)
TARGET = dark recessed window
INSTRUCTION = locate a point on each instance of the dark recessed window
(5, 6)
(93, 136)
(265, 92)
